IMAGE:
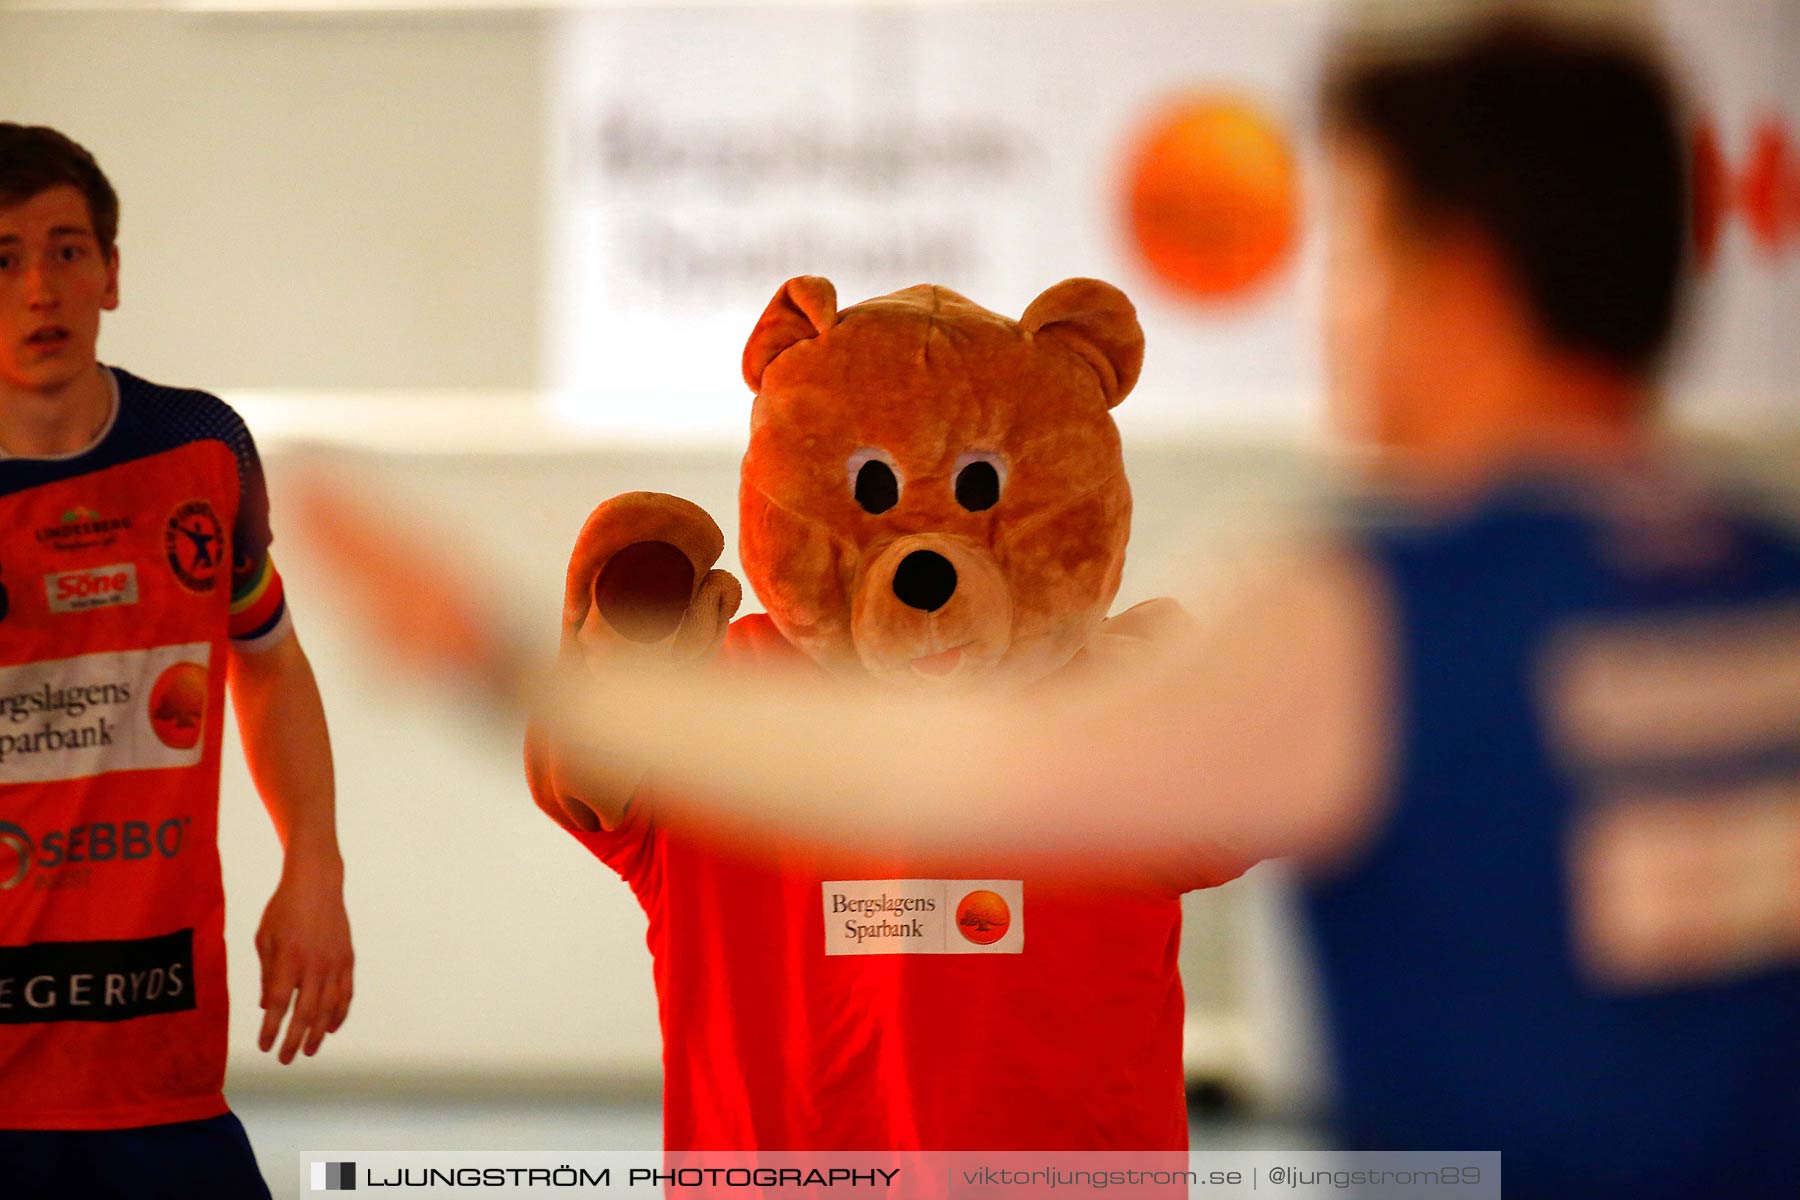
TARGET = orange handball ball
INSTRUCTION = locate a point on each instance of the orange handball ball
(983, 917)
(1213, 200)
(178, 705)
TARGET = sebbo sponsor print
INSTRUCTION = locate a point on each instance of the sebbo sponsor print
(92, 587)
(68, 857)
(97, 981)
(924, 916)
(127, 710)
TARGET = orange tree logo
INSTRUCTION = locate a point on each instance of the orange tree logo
(1212, 196)
(178, 705)
(983, 918)
(195, 543)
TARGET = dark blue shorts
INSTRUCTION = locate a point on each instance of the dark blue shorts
(154, 1162)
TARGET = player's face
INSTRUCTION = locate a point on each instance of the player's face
(1385, 328)
(54, 284)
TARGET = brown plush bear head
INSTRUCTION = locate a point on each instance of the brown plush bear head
(934, 493)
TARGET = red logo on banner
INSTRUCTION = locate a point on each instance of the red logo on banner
(1766, 193)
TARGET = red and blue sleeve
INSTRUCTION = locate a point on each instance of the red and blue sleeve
(259, 613)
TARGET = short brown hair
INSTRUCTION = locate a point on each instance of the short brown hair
(1561, 144)
(36, 158)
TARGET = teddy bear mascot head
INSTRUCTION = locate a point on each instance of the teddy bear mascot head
(933, 492)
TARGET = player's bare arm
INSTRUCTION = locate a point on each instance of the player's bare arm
(1263, 730)
(304, 938)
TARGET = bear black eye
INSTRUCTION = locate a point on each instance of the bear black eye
(877, 489)
(978, 486)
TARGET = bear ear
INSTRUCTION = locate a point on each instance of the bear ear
(805, 307)
(1095, 320)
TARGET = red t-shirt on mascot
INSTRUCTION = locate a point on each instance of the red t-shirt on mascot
(851, 1004)
(124, 570)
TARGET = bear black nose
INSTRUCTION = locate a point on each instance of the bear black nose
(925, 580)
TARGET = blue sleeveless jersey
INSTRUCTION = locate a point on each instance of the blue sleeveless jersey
(1459, 1016)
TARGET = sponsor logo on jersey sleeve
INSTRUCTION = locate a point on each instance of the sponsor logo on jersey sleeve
(194, 542)
(129, 710)
(924, 916)
(97, 981)
(92, 587)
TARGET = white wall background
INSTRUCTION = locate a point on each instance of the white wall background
(308, 200)
(395, 201)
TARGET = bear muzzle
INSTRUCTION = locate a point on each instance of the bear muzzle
(931, 608)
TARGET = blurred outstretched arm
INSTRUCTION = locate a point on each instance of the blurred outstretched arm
(1265, 730)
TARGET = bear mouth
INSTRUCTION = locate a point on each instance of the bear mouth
(942, 663)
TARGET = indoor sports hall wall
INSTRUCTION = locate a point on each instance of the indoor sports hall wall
(506, 256)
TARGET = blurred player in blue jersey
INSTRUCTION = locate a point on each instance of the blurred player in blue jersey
(1532, 721)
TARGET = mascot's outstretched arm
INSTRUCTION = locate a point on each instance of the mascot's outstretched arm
(641, 593)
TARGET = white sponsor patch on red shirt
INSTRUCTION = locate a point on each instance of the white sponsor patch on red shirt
(924, 916)
(127, 710)
(92, 587)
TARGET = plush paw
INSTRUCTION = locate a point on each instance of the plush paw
(641, 590)
(641, 583)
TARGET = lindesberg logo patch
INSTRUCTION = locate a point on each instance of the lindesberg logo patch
(194, 541)
(924, 916)
(83, 528)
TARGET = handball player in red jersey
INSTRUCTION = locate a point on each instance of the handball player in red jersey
(136, 587)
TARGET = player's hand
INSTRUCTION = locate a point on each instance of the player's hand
(1674, 891)
(307, 961)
